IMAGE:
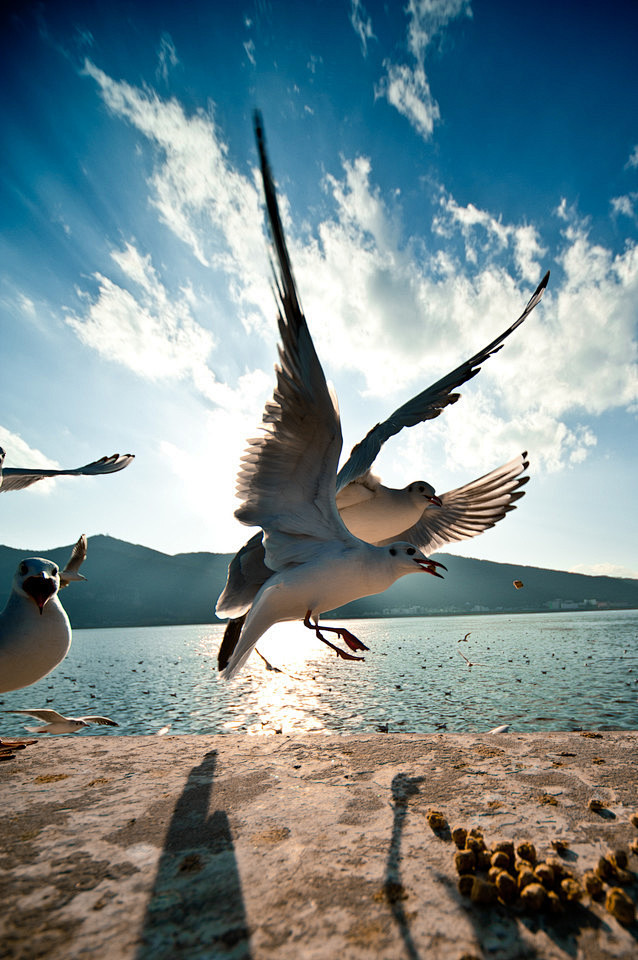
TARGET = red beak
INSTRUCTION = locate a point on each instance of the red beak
(429, 566)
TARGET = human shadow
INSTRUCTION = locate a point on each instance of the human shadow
(196, 907)
(403, 787)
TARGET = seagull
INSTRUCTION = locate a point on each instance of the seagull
(287, 484)
(464, 639)
(55, 722)
(16, 478)
(471, 663)
(369, 510)
(35, 633)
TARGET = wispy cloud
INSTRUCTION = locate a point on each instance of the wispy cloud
(626, 205)
(406, 85)
(632, 162)
(166, 57)
(197, 192)
(137, 323)
(361, 24)
(20, 454)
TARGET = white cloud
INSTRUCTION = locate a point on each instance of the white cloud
(625, 205)
(362, 24)
(406, 86)
(407, 89)
(633, 158)
(166, 57)
(20, 454)
(400, 315)
(198, 194)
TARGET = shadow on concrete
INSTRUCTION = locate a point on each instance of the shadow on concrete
(403, 787)
(196, 907)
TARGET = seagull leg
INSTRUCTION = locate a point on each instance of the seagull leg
(353, 642)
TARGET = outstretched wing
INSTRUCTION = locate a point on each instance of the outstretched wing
(75, 561)
(48, 716)
(16, 478)
(469, 510)
(287, 478)
(101, 720)
(429, 403)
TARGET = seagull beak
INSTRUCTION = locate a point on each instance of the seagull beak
(429, 566)
(435, 501)
(40, 589)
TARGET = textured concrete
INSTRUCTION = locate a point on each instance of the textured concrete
(300, 847)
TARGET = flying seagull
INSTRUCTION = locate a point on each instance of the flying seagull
(287, 484)
(371, 511)
(55, 722)
(16, 478)
(471, 663)
(35, 633)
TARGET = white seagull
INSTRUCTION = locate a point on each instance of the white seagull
(35, 633)
(55, 722)
(287, 485)
(371, 511)
(16, 478)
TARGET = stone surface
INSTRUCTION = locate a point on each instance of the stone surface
(150, 848)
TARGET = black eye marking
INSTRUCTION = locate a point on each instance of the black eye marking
(410, 551)
(54, 572)
(23, 569)
(393, 551)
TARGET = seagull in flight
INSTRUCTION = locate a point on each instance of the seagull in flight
(54, 722)
(371, 511)
(471, 663)
(16, 478)
(35, 633)
(287, 484)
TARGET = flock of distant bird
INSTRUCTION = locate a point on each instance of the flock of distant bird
(326, 536)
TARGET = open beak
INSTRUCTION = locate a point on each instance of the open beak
(429, 566)
(40, 589)
(435, 501)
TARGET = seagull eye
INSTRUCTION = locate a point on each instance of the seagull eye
(410, 551)
(393, 552)
(54, 572)
(22, 569)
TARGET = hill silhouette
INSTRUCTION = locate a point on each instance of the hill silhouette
(131, 585)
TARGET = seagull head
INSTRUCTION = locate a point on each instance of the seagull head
(409, 558)
(420, 491)
(37, 579)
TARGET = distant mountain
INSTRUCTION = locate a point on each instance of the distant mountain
(131, 585)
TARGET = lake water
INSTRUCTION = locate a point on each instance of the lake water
(537, 672)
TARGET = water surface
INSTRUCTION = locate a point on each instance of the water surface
(537, 672)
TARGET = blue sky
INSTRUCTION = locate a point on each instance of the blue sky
(433, 160)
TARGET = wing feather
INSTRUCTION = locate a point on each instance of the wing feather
(17, 478)
(293, 464)
(470, 509)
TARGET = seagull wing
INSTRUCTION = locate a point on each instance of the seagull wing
(48, 716)
(287, 479)
(469, 510)
(429, 403)
(16, 478)
(102, 720)
(73, 564)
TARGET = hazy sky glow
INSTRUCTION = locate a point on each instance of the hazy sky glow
(433, 160)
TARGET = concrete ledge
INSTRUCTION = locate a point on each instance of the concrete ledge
(300, 847)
